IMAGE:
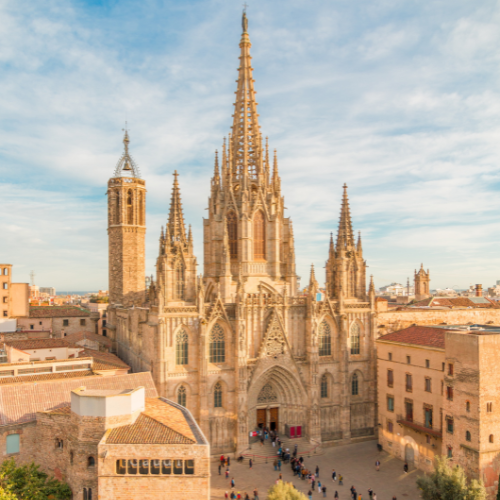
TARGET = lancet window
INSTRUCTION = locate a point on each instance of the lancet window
(324, 386)
(141, 208)
(179, 281)
(232, 233)
(355, 334)
(117, 208)
(325, 339)
(181, 348)
(218, 395)
(130, 208)
(259, 236)
(354, 385)
(181, 396)
(217, 347)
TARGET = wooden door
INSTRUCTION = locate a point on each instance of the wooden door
(261, 418)
(273, 417)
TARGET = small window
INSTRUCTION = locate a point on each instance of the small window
(450, 452)
(12, 443)
(450, 369)
(390, 378)
(491, 439)
(442, 366)
(166, 466)
(428, 386)
(104, 333)
(390, 427)
(121, 466)
(449, 425)
(390, 403)
(5, 314)
(155, 467)
(409, 411)
(143, 466)
(467, 406)
(408, 360)
(59, 443)
(390, 356)
(428, 417)
(409, 383)
(65, 322)
(427, 363)
(449, 393)
(132, 466)
(71, 457)
(90, 462)
(5, 300)
(428, 439)
(5, 286)
(82, 322)
(189, 467)
(32, 327)
(5, 271)
(467, 436)
(178, 466)
(489, 407)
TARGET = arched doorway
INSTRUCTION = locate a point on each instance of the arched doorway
(409, 455)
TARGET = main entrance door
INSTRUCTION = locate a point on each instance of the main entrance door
(273, 419)
(409, 454)
(261, 418)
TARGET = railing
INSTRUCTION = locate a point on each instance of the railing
(418, 426)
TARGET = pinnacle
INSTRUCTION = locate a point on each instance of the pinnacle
(345, 236)
(175, 225)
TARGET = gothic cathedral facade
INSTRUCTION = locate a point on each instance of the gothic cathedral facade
(240, 346)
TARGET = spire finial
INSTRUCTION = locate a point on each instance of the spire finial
(372, 285)
(175, 225)
(345, 236)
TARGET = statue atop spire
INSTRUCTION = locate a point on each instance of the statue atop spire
(244, 22)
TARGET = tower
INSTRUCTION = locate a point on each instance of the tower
(246, 228)
(422, 280)
(345, 267)
(176, 263)
(126, 231)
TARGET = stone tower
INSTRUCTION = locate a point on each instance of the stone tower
(246, 231)
(126, 231)
(345, 267)
(422, 280)
(176, 263)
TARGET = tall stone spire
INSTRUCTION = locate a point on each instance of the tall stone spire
(245, 137)
(175, 225)
(345, 235)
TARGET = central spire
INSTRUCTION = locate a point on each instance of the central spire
(345, 235)
(245, 137)
(175, 226)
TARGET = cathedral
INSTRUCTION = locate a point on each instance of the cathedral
(241, 346)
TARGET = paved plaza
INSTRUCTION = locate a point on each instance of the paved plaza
(355, 462)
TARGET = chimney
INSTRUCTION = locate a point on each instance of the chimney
(479, 290)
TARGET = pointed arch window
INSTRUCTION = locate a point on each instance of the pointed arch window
(117, 208)
(181, 348)
(259, 236)
(324, 386)
(355, 385)
(181, 396)
(325, 339)
(179, 281)
(217, 345)
(232, 233)
(141, 208)
(355, 334)
(130, 208)
(218, 395)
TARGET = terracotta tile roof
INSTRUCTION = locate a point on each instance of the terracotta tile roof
(57, 311)
(23, 379)
(452, 302)
(78, 336)
(417, 335)
(20, 402)
(62, 410)
(159, 423)
(39, 343)
(103, 360)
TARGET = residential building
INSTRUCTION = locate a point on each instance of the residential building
(14, 299)
(49, 290)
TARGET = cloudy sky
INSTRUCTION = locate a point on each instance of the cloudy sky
(400, 100)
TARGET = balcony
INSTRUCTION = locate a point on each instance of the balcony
(418, 426)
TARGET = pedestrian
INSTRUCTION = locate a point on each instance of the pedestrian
(374, 496)
(226, 495)
(220, 469)
(250, 463)
(281, 477)
(222, 459)
(255, 494)
(317, 471)
(232, 482)
(227, 473)
(336, 495)
(370, 493)
(275, 463)
(279, 465)
(359, 497)
(405, 468)
(394, 497)
(323, 489)
(309, 495)
(319, 486)
(228, 460)
(246, 496)
(341, 480)
(377, 465)
(334, 475)
(261, 441)
(238, 496)
(231, 496)
(274, 442)
(313, 483)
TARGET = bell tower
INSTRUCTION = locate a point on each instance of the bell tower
(126, 231)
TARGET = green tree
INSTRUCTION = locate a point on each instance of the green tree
(450, 483)
(285, 491)
(498, 492)
(28, 482)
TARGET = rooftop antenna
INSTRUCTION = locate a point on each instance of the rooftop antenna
(32, 276)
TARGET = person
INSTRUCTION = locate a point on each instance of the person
(377, 465)
(246, 496)
(279, 465)
(323, 489)
(334, 475)
(319, 486)
(255, 494)
(274, 442)
(275, 463)
(309, 495)
(359, 497)
(313, 482)
(227, 473)
(370, 493)
(232, 482)
(238, 496)
(405, 468)
(226, 495)
(374, 496)
(250, 462)
(336, 495)
(261, 441)
(301, 460)
(281, 477)
(394, 497)
(353, 492)
(222, 459)
(231, 496)
(341, 480)
(317, 471)
(220, 469)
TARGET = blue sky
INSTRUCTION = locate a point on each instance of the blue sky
(400, 100)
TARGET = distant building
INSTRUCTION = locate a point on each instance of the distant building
(14, 299)
(51, 291)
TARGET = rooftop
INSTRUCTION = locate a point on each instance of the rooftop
(57, 311)
(78, 336)
(457, 302)
(28, 344)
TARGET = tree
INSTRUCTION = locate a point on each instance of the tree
(450, 483)
(28, 482)
(498, 492)
(285, 491)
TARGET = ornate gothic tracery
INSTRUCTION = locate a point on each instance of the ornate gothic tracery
(325, 339)
(267, 395)
(217, 345)
(181, 348)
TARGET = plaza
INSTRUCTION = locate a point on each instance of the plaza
(356, 463)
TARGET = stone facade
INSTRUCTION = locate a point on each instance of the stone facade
(422, 280)
(239, 346)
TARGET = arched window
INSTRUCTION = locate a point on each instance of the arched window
(179, 281)
(141, 208)
(325, 339)
(354, 385)
(87, 493)
(117, 208)
(218, 395)
(181, 396)
(467, 406)
(90, 462)
(181, 348)
(355, 331)
(467, 436)
(491, 439)
(217, 345)
(324, 386)
(130, 208)
(259, 236)
(232, 233)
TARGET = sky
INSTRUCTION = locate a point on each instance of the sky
(400, 100)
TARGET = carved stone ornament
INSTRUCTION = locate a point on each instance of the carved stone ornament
(274, 342)
(267, 395)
